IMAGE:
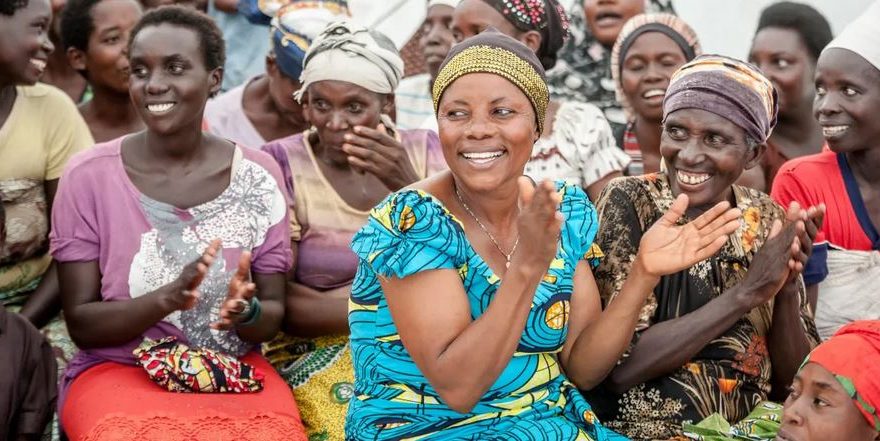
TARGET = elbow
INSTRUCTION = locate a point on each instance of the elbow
(617, 382)
(459, 399)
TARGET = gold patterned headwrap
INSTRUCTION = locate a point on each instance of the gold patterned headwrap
(496, 53)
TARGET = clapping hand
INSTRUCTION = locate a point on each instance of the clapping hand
(376, 152)
(539, 223)
(185, 293)
(667, 248)
(241, 291)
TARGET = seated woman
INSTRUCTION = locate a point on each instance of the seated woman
(786, 47)
(834, 396)
(649, 49)
(474, 291)
(263, 108)
(844, 269)
(95, 35)
(348, 162)
(170, 253)
(716, 336)
(577, 144)
(40, 130)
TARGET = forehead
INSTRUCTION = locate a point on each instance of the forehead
(334, 90)
(477, 11)
(112, 13)
(481, 87)
(778, 39)
(440, 11)
(653, 42)
(166, 40)
(34, 9)
(703, 120)
(844, 65)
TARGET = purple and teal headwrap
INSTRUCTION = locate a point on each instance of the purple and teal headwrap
(295, 26)
(732, 89)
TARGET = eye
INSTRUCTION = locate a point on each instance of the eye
(820, 91)
(139, 71)
(635, 66)
(850, 92)
(819, 402)
(503, 112)
(782, 63)
(113, 39)
(321, 105)
(457, 36)
(715, 140)
(355, 107)
(456, 115)
(176, 68)
(676, 133)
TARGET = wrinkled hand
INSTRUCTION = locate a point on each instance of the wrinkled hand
(376, 152)
(667, 248)
(185, 293)
(807, 224)
(539, 224)
(241, 290)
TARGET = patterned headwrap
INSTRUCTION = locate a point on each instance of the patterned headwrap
(496, 53)
(296, 25)
(732, 89)
(450, 3)
(853, 356)
(862, 36)
(545, 16)
(260, 12)
(667, 24)
(351, 53)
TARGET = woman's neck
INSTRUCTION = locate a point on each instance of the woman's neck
(648, 134)
(498, 208)
(865, 165)
(112, 107)
(798, 131)
(179, 148)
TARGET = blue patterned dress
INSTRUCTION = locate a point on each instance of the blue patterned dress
(410, 232)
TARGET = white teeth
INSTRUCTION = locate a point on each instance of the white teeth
(654, 92)
(692, 178)
(39, 64)
(160, 108)
(483, 157)
(831, 131)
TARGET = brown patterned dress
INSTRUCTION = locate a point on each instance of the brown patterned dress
(731, 375)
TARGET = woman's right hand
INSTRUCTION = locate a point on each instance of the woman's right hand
(539, 224)
(184, 292)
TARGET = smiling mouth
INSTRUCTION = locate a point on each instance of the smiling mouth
(607, 18)
(688, 178)
(654, 93)
(158, 109)
(783, 436)
(39, 64)
(482, 158)
(831, 132)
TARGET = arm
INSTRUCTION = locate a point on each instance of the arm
(270, 291)
(227, 6)
(461, 357)
(594, 190)
(94, 323)
(45, 302)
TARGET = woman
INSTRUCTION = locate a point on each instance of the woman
(786, 47)
(584, 69)
(40, 130)
(195, 218)
(350, 159)
(577, 144)
(263, 108)
(649, 49)
(716, 336)
(474, 290)
(844, 268)
(95, 35)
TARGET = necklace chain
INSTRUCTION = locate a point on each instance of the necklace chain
(486, 230)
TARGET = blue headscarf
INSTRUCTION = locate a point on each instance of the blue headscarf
(295, 26)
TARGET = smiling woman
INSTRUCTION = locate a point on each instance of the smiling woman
(474, 290)
(198, 229)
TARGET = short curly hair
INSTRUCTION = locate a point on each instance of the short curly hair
(809, 23)
(77, 24)
(8, 7)
(213, 47)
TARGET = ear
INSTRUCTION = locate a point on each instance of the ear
(532, 39)
(755, 155)
(76, 58)
(388, 104)
(216, 80)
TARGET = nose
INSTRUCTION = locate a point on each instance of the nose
(46, 43)
(654, 73)
(480, 128)
(155, 85)
(690, 152)
(337, 122)
(825, 105)
(791, 413)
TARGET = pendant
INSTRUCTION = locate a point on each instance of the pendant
(507, 265)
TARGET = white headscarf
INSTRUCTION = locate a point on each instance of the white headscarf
(862, 36)
(351, 53)
(450, 3)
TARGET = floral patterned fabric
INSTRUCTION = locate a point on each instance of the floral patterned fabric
(411, 232)
(761, 425)
(731, 374)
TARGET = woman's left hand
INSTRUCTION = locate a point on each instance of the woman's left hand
(667, 247)
(376, 152)
(241, 291)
